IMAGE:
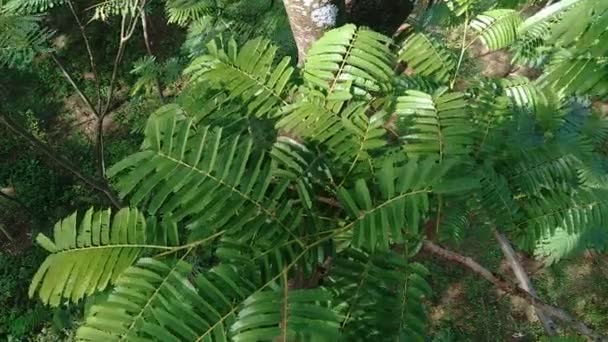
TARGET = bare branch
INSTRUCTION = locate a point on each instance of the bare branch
(70, 79)
(126, 32)
(507, 287)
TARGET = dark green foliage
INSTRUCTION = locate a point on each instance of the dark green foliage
(17, 318)
(371, 287)
(21, 38)
(436, 124)
(427, 56)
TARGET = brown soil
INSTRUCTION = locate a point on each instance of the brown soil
(451, 303)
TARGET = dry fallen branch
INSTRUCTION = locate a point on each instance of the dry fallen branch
(523, 280)
(514, 290)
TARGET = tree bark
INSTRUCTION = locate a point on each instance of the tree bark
(309, 19)
(523, 280)
(511, 289)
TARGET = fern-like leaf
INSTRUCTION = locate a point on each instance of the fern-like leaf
(573, 212)
(428, 57)
(32, 6)
(497, 200)
(497, 29)
(377, 215)
(350, 135)
(435, 124)
(287, 315)
(581, 74)
(108, 8)
(371, 287)
(182, 173)
(248, 73)
(21, 39)
(182, 12)
(561, 244)
(301, 166)
(553, 167)
(169, 306)
(350, 61)
(89, 256)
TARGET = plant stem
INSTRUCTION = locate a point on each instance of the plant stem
(64, 163)
(463, 48)
(126, 32)
(523, 279)
(190, 245)
(99, 154)
(507, 287)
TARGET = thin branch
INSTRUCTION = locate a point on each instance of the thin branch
(144, 26)
(70, 79)
(117, 60)
(126, 32)
(99, 150)
(332, 202)
(507, 287)
(89, 52)
(524, 280)
(64, 163)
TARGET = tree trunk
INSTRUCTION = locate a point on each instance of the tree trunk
(384, 16)
(309, 19)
